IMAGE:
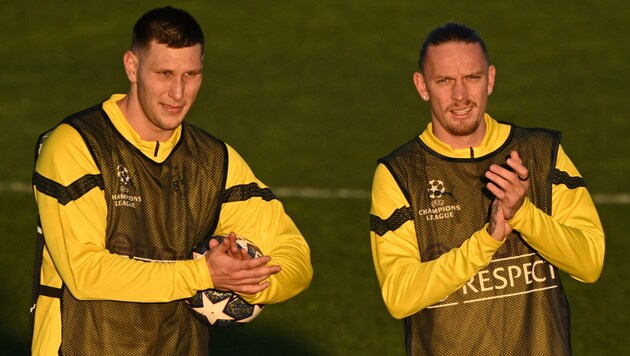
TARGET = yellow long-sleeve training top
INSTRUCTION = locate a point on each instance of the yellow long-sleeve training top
(571, 238)
(75, 252)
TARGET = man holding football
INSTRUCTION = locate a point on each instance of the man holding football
(471, 220)
(126, 189)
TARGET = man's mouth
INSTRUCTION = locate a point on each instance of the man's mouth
(172, 108)
(461, 112)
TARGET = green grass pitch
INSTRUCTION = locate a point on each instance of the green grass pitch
(311, 93)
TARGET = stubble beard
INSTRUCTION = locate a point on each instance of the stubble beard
(463, 127)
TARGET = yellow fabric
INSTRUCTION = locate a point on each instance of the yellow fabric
(75, 237)
(571, 238)
(272, 231)
(147, 147)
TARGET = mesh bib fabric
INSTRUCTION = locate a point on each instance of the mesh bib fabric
(155, 212)
(514, 306)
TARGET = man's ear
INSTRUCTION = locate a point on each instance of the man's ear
(130, 61)
(421, 86)
(492, 72)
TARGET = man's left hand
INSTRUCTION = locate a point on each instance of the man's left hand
(509, 186)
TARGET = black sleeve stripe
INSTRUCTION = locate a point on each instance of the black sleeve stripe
(392, 223)
(246, 191)
(74, 191)
(50, 291)
(560, 177)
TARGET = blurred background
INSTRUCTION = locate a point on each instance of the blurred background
(311, 93)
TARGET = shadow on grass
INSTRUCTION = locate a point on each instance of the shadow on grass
(12, 345)
(247, 340)
(228, 341)
(14, 331)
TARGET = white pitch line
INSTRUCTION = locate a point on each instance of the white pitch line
(320, 193)
(326, 193)
(16, 187)
(619, 199)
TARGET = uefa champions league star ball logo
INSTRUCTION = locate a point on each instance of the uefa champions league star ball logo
(123, 174)
(440, 208)
(435, 189)
(125, 199)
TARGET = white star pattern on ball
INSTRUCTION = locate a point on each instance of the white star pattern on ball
(223, 308)
(216, 312)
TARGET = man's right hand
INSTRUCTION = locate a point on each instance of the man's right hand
(234, 270)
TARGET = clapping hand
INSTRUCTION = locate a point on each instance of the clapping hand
(232, 269)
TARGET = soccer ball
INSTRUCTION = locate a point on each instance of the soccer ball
(218, 308)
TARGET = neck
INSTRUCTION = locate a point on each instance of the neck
(465, 141)
(459, 142)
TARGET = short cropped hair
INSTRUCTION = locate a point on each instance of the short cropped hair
(167, 25)
(451, 32)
